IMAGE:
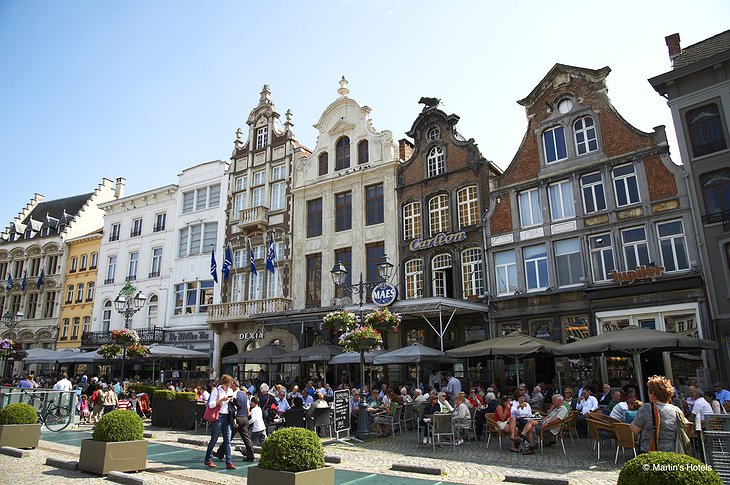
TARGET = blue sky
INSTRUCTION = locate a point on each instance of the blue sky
(142, 90)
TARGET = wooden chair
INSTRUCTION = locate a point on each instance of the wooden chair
(493, 427)
(570, 426)
(594, 431)
(624, 438)
(443, 426)
(559, 424)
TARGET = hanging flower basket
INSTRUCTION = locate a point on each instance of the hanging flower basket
(383, 320)
(137, 351)
(125, 337)
(362, 337)
(110, 351)
(12, 350)
(340, 320)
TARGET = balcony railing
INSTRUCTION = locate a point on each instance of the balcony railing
(146, 336)
(154, 274)
(109, 281)
(131, 278)
(244, 310)
(255, 216)
(715, 217)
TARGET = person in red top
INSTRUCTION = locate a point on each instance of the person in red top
(123, 402)
(475, 399)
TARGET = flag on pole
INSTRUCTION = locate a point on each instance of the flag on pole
(24, 283)
(213, 266)
(9, 285)
(271, 255)
(253, 264)
(227, 263)
(41, 280)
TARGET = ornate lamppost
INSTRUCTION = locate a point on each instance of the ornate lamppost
(339, 276)
(11, 321)
(127, 305)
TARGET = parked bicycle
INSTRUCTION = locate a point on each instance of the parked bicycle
(55, 416)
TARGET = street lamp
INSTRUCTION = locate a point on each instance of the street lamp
(11, 321)
(339, 276)
(127, 305)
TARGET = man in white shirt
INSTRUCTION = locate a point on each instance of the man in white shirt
(700, 406)
(258, 428)
(586, 404)
(63, 384)
(619, 411)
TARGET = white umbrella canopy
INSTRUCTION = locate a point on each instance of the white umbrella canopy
(262, 355)
(412, 354)
(37, 356)
(82, 357)
(354, 357)
(157, 351)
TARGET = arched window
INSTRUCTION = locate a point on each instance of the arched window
(342, 153)
(414, 278)
(706, 133)
(90, 292)
(106, 316)
(64, 329)
(442, 277)
(584, 131)
(69, 293)
(716, 192)
(323, 163)
(435, 161)
(468, 206)
(363, 155)
(74, 263)
(79, 293)
(438, 214)
(412, 220)
(152, 306)
(75, 331)
(84, 260)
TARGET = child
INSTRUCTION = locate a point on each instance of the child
(258, 427)
(84, 409)
(123, 403)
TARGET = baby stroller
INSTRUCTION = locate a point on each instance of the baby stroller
(144, 406)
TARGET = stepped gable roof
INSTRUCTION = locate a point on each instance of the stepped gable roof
(702, 50)
(60, 209)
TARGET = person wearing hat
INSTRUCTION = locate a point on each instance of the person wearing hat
(722, 395)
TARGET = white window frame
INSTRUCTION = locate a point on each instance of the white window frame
(624, 180)
(90, 291)
(530, 199)
(278, 172)
(241, 183)
(600, 254)
(505, 269)
(439, 265)
(468, 205)
(412, 221)
(434, 133)
(438, 214)
(589, 135)
(472, 273)
(590, 189)
(566, 257)
(534, 263)
(133, 265)
(80, 292)
(562, 205)
(436, 161)
(259, 178)
(116, 228)
(278, 196)
(106, 316)
(634, 248)
(414, 278)
(137, 227)
(156, 266)
(262, 137)
(673, 240)
(111, 268)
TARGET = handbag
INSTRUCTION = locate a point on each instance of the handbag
(211, 414)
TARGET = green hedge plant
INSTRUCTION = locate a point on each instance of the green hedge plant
(185, 396)
(660, 467)
(292, 450)
(119, 425)
(164, 394)
(18, 413)
(138, 388)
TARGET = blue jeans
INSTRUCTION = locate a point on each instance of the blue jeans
(223, 424)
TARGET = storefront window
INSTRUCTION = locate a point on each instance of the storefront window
(509, 328)
(544, 328)
(620, 370)
(414, 335)
(575, 328)
(474, 333)
(614, 325)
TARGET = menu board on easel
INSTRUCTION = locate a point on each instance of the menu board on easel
(342, 412)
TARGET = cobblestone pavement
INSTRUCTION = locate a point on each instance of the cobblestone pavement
(471, 462)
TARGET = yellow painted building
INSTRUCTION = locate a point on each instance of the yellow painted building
(77, 304)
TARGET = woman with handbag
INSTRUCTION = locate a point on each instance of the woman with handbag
(218, 404)
(660, 425)
(239, 410)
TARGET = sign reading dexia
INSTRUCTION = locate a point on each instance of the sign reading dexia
(640, 273)
(438, 240)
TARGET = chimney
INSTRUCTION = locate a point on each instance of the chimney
(119, 188)
(673, 44)
(405, 149)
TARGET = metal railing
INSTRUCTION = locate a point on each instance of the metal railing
(146, 336)
(258, 215)
(246, 309)
(41, 400)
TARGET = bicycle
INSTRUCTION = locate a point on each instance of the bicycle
(50, 414)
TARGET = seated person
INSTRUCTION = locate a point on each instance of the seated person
(536, 399)
(615, 399)
(462, 415)
(520, 414)
(502, 414)
(631, 413)
(307, 400)
(604, 399)
(444, 406)
(429, 407)
(558, 412)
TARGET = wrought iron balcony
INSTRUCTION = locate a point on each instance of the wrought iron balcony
(146, 336)
(715, 217)
(257, 217)
(245, 310)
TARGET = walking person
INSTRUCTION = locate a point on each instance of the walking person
(258, 427)
(220, 396)
(240, 422)
(108, 398)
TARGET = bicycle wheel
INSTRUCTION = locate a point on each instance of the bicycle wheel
(57, 418)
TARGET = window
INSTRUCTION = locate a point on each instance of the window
(201, 198)
(240, 202)
(706, 134)
(48, 309)
(241, 183)
(156, 263)
(594, 198)
(34, 267)
(471, 272)
(75, 331)
(258, 196)
(160, 220)
(635, 247)
(94, 260)
(278, 172)
(585, 135)
(314, 217)
(414, 278)
(602, 262)
(152, 309)
(716, 192)
(18, 268)
(434, 133)
(323, 163)
(193, 297)
(262, 136)
(133, 262)
(106, 316)
(87, 324)
(259, 178)
(373, 253)
(672, 246)
(64, 329)
(568, 262)
(342, 153)
(412, 220)
(435, 161)
(114, 234)
(31, 305)
(553, 142)
(438, 212)
(188, 202)
(206, 295)
(74, 264)
(375, 213)
(84, 262)
(69, 294)
(626, 185)
(90, 291)
(197, 238)
(79, 293)
(441, 272)
(136, 228)
(468, 206)
(530, 210)
(561, 200)
(111, 269)
(505, 268)
(536, 269)
(51, 264)
(343, 211)
(344, 256)
(363, 155)
(314, 280)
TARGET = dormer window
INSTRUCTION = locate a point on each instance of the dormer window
(584, 131)
(434, 133)
(435, 161)
(262, 137)
(342, 153)
(553, 140)
(564, 106)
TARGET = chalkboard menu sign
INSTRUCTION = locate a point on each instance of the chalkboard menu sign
(342, 411)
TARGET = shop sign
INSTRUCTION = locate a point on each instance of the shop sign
(640, 273)
(256, 335)
(384, 294)
(438, 240)
(191, 336)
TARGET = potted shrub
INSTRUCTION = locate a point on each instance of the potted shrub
(19, 426)
(660, 467)
(117, 444)
(162, 408)
(183, 410)
(291, 456)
